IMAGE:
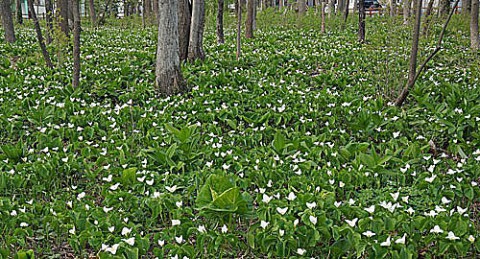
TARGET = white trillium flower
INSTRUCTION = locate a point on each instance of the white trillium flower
(282, 211)
(313, 219)
(395, 195)
(451, 236)
(202, 229)
(266, 198)
(436, 229)
(224, 229)
(471, 239)
(387, 242)
(301, 251)
(126, 231)
(130, 241)
(401, 240)
(264, 224)
(179, 239)
(291, 196)
(311, 205)
(171, 189)
(161, 242)
(368, 233)
(370, 209)
(461, 211)
(110, 249)
(176, 222)
(352, 222)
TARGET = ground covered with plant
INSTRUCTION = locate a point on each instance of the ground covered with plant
(294, 151)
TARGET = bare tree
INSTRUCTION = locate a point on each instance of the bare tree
(38, 30)
(76, 43)
(184, 20)
(168, 76)
(474, 40)
(250, 18)
(301, 7)
(413, 74)
(220, 34)
(49, 20)
(239, 29)
(7, 20)
(63, 16)
(361, 21)
(18, 6)
(93, 14)
(195, 45)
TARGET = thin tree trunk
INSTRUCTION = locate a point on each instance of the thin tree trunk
(280, 5)
(406, 11)
(392, 8)
(323, 16)
(184, 20)
(76, 43)
(405, 91)
(428, 17)
(19, 13)
(249, 21)
(466, 7)
(301, 7)
(444, 7)
(331, 8)
(148, 8)
(361, 21)
(168, 76)
(38, 30)
(340, 7)
(195, 45)
(93, 14)
(220, 34)
(155, 10)
(239, 30)
(7, 20)
(345, 12)
(474, 40)
(49, 20)
(63, 16)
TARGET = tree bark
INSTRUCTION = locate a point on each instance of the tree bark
(168, 76)
(49, 20)
(184, 20)
(249, 21)
(444, 7)
(406, 11)
(195, 45)
(93, 14)
(280, 5)
(361, 21)
(392, 8)
(340, 7)
(331, 8)
(76, 43)
(155, 10)
(19, 13)
(148, 8)
(428, 17)
(63, 16)
(301, 7)
(474, 40)
(38, 30)
(7, 20)
(239, 30)
(323, 16)
(345, 12)
(466, 7)
(220, 34)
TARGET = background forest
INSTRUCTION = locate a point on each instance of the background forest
(218, 129)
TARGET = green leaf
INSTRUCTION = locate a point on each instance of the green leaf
(278, 142)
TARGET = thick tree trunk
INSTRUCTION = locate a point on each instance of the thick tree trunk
(63, 16)
(195, 45)
(7, 20)
(361, 21)
(38, 30)
(18, 12)
(148, 8)
(93, 14)
(220, 34)
(474, 40)
(249, 21)
(301, 7)
(239, 30)
(168, 76)
(444, 7)
(76, 43)
(49, 20)
(184, 20)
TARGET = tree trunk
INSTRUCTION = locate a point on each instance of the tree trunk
(444, 7)
(354, 9)
(345, 12)
(239, 30)
(428, 17)
(184, 20)
(49, 20)
(280, 5)
(195, 45)
(220, 34)
(301, 7)
(148, 8)
(406, 11)
(249, 21)
(412, 71)
(155, 10)
(19, 13)
(93, 14)
(63, 16)
(76, 43)
(474, 40)
(323, 17)
(393, 6)
(361, 21)
(38, 30)
(331, 8)
(7, 20)
(168, 76)
(466, 7)
(340, 7)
